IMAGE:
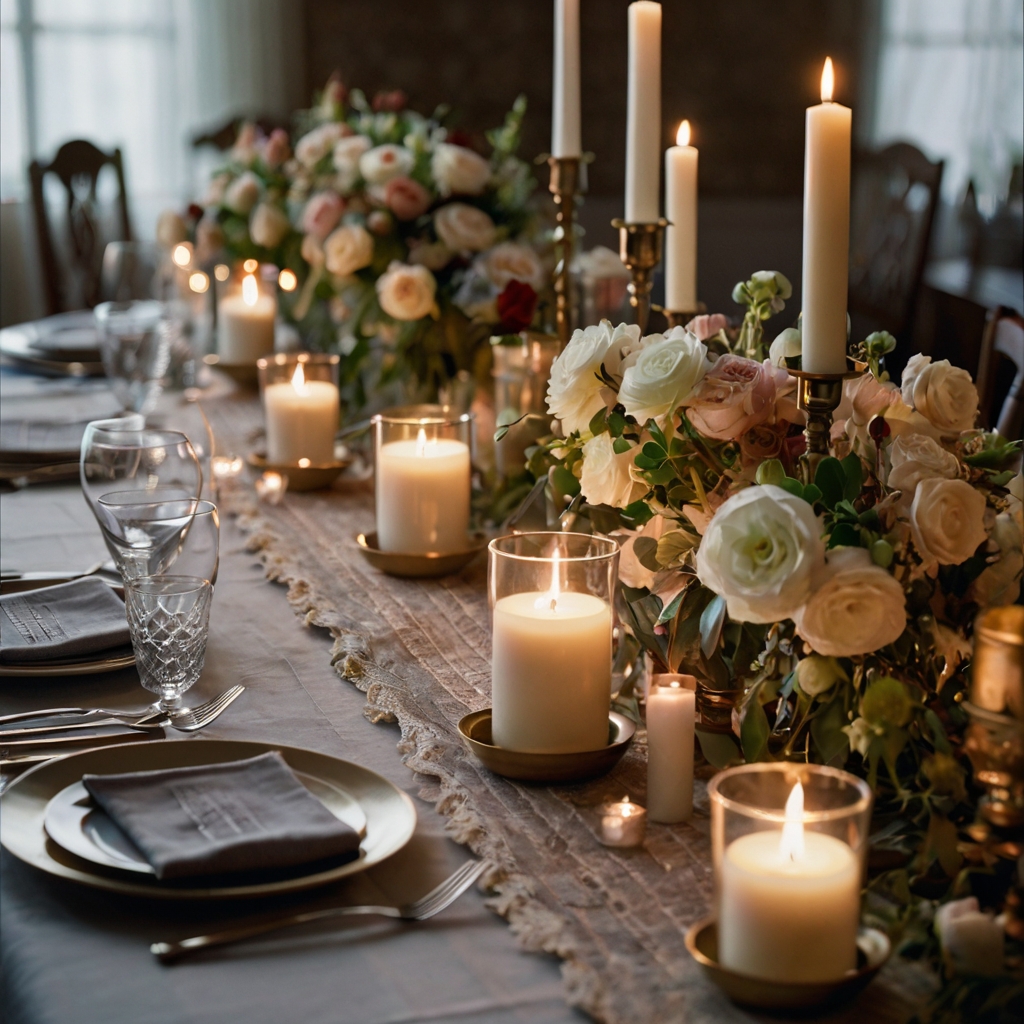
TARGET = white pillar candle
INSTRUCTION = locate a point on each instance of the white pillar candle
(245, 324)
(681, 212)
(423, 496)
(670, 719)
(623, 823)
(826, 232)
(302, 419)
(565, 111)
(789, 904)
(643, 116)
(551, 670)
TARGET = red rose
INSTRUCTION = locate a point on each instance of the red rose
(406, 198)
(516, 306)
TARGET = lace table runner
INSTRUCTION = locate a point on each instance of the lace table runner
(420, 652)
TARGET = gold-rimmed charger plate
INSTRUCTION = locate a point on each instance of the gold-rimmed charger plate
(417, 566)
(305, 478)
(390, 815)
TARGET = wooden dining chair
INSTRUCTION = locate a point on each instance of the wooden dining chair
(223, 137)
(894, 193)
(1001, 373)
(75, 281)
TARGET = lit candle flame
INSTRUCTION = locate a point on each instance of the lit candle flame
(250, 266)
(626, 808)
(287, 280)
(299, 379)
(828, 81)
(683, 135)
(182, 254)
(421, 442)
(199, 282)
(792, 845)
(550, 599)
(250, 290)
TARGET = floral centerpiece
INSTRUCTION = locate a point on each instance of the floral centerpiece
(410, 247)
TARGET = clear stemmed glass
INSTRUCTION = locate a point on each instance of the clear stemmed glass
(169, 622)
(136, 338)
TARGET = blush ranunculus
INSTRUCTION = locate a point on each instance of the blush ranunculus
(322, 213)
(735, 395)
(276, 149)
(516, 306)
(406, 199)
(707, 325)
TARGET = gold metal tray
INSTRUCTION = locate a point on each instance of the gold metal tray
(304, 478)
(397, 564)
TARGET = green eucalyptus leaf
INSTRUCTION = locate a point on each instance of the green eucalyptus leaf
(793, 486)
(655, 451)
(719, 748)
(501, 432)
(830, 479)
(646, 551)
(662, 475)
(712, 620)
(812, 493)
(669, 612)
(564, 481)
(658, 435)
(827, 729)
(620, 446)
(643, 461)
(844, 536)
(617, 423)
(854, 473)
(939, 740)
(599, 422)
(674, 544)
(636, 514)
(754, 731)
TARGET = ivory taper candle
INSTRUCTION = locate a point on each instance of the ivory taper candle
(681, 213)
(565, 109)
(643, 116)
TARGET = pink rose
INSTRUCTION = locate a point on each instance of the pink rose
(276, 149)
(322, 213)
(707, 325)
(405, 198)
(735, 395)
(762, 442)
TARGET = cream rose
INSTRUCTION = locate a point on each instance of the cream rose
(760, 552)
(347, 152)
(407, 293)
(511, 261)
(315, 145)
(574, 389)
(606, 478)
(243, 193)
(382, 163)
(858, 608)
(917, 457)
(944, 394)
(736, 394)
(268, 225)
(663, 376)
(947, 521)
(999, 584)
(463, 227)
(348, 249)
(459, 171)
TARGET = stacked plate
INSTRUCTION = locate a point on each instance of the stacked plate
(48, 820)
(66, 345)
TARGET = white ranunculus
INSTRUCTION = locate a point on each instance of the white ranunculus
(817, 674)
(407, 293)
(459, 171)
(243, 193)
(463, 227)
(348, 249)
(510, 261)
(574, 389)
(268, 225)
(972, 942)
(999, 584)
(346, 155)
(944, 394)
(760, 553)
(857, 607)
(917, 457)
(663, 375)
(606, 479)
(947, 521)
(315, 145)
(788, 345)
(382, 163)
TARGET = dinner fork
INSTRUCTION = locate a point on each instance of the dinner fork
(433, 903)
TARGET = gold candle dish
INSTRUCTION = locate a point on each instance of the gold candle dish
(640, 249)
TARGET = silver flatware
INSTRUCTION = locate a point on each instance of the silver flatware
(433, 903)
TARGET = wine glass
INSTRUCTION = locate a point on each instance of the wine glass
(136, 337)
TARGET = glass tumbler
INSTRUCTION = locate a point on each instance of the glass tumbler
(552, 601)
(423, 466)
(789, 843)
(301, 406)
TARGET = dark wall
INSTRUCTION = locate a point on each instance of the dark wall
(742, 71)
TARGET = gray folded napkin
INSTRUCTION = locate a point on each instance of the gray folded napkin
(69, 620)
(214, 819)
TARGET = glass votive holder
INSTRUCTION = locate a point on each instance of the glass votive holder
(552, 600)
(271, 487)
(246, 314)
(423, 463)
(301, 407)
(789, 843)
(623, 823)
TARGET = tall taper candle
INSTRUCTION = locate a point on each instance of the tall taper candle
(643, 119)
(670, 721)
(826, 231)
(681, 213)
(565, 111)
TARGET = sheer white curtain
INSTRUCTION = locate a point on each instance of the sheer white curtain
(951, 80)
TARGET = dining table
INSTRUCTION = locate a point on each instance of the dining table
(341, 659)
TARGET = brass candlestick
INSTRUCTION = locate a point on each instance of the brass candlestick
(818, 395)
(568, 179)
(640, 248)
(680, 317)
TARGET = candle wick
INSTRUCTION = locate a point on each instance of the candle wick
(554, 604)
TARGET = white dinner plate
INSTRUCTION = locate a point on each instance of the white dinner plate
(73, 821)
(27, 345)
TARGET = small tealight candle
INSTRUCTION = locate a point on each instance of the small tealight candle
(271, 487)
(623, 823)
(300, 398)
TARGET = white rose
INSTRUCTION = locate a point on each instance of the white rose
(947, 521)
(858, 608)
(315, 145)
(760, 552)
(972, 942)
(606, 479)
(461, 227)
(574, 389)
(268, 225)
(382, 163)
(917, 457)
(346, 155)
(816, 674)
(788, 345)
(459, 171)
(407, 293)
(999, 584)
(663, 375)
(243, 193)
(348, 249)
(945, 395)
(511, 261)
